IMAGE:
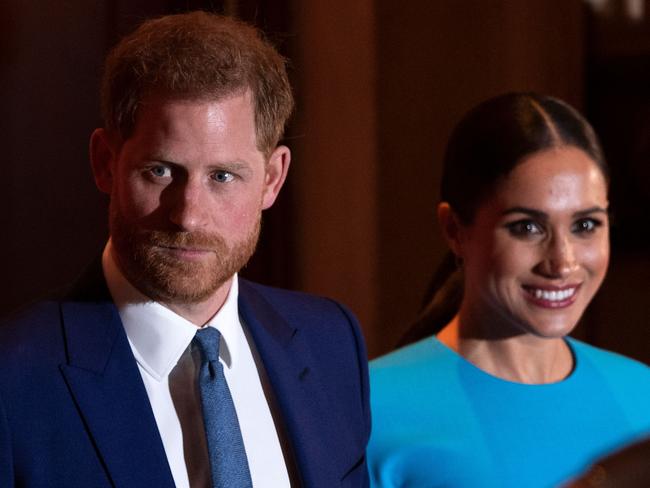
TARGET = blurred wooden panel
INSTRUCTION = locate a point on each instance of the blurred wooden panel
(335, 159)
(52, 55)
(435, 61)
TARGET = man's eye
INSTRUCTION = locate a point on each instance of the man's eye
(586, 226)
(524, 228)
(160, 171)
(222, 176)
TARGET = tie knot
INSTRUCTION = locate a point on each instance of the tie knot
(208, 342)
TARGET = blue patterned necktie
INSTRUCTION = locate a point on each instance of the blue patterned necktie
(228, 463)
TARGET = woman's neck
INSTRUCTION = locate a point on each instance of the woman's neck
(522, 358)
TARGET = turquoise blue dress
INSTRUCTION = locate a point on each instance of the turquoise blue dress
(440, 421)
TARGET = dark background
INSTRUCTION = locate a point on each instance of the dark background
(379, 86)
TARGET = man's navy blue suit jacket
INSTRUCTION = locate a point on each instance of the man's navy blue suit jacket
(74, 412)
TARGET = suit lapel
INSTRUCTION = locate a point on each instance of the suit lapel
(104, 380)
(311, 425)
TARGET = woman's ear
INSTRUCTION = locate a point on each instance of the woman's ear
(103, 156)
(451, 228)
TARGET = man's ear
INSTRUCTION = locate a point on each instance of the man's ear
(276, 172)
(104, 152)
(451, 228)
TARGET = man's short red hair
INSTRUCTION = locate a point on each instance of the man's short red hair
(197, 55)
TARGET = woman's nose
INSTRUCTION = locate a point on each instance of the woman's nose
(559, 259)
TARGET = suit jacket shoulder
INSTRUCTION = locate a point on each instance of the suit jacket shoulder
(74, 411)
(316, 360)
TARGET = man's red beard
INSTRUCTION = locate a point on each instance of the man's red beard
(144, 258)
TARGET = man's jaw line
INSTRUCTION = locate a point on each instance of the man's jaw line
(200, 312)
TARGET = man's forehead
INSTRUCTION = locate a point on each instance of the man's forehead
(182, 128)
(160, 97)
(158, 103)
(156, 100)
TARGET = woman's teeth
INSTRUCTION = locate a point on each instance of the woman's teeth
(553, 295)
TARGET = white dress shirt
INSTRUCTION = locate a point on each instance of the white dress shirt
(160, 341)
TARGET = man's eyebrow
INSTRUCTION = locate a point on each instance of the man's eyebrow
(544, 216)
(236, 165)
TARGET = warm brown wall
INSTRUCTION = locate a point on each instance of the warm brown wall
(379, 86)
(335, 154)
(437, 59)
(381, 83)
(52, 219)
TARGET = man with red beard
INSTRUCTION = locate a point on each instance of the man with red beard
(163, 368)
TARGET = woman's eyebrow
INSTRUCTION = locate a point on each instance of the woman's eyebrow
(538, 214)
(525, 210)
(589, 211)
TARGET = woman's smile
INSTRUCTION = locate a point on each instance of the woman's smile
(538, 247)
(551, 297)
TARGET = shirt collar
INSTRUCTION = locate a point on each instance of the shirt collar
(158, 336)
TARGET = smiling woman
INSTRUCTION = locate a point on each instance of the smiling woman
(534, 255)
(492, 392)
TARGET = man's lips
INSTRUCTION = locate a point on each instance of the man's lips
(187, 252)
(552, 296)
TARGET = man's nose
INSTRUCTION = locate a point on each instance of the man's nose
(188, 209)
(559, 259)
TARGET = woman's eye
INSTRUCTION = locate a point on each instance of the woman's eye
(586, 226)
(222, 176)
(524, 228)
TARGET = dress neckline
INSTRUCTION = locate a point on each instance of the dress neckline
(475, 370)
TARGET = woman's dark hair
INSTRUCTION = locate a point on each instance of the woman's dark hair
(485, 146)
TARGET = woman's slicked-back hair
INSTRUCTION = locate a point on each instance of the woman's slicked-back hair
(498, 134)
(485, 146)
